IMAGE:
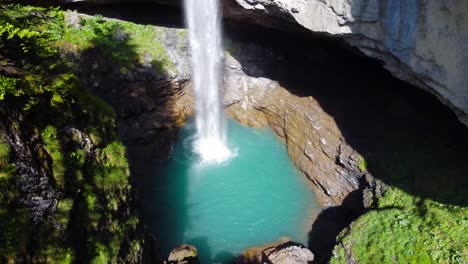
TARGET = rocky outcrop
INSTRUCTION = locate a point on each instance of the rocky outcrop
(283, 251)
(313, 140)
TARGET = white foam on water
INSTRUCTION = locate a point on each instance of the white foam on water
(204, 22)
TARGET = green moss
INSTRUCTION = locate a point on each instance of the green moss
(182, 40)
(52, 146)
(78, 158)
(90, 197)
(62, 214)
(406, 229)
(113, 171)
(7, 86)
(102, 254)
(57, 254)
(126, 43)
(47, 92)
(362, 164)
(4, 155)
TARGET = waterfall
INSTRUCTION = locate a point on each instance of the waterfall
(204, 22)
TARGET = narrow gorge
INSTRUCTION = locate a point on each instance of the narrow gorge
(366, 101)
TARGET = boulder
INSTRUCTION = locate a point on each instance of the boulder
(283, 251)
(183, 254)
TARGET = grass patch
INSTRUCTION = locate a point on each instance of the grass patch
(407, 229)
(126, 43)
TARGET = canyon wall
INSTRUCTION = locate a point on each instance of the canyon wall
(419, 41)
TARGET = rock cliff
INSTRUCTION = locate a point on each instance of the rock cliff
(421, 42)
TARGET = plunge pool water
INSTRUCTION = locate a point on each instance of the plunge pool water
(255, 198)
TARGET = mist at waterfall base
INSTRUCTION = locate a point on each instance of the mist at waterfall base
(254, 198)
(204, 24)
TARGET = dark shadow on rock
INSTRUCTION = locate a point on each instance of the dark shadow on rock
(331, 221)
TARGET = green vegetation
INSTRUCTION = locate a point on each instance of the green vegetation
(112, 169)
(38, 79)
(408, 230)
(362, 164)
(422, 217)
(115, 39)
(6, 168)
(4, 154)
(182, 40)
(52, 146)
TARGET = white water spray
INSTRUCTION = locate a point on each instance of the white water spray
(204, 23)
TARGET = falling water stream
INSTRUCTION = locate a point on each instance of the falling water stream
(217, 193)
(204, 24)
